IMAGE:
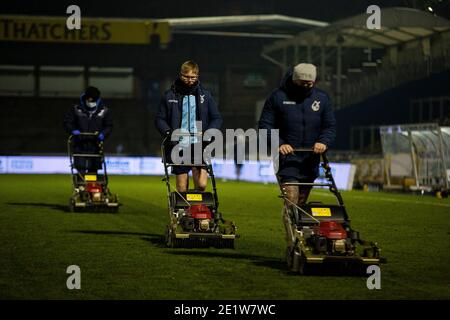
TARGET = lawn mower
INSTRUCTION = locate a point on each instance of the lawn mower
(194, 217)
(90, 189)
(320, 234)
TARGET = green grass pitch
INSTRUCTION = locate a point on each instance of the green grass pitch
(122, 255)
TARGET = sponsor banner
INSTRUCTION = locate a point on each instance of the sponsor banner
(37, 165)
(343, 174)
(3, 164)
(93, 30)
(122, 165)
(253, 171)
(151, 166)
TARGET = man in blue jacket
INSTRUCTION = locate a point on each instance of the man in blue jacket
(89, 116)
(183, 106)
(304, 117)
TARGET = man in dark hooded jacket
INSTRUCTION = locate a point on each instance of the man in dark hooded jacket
(303, 114)
(89, 116)
(183, 106)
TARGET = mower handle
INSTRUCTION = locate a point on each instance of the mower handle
(303, 150)
(168, 135)
(70, 142)
(187, 165)
(92, 134)
(306, 150)
(187, 134)
(307, 184)
(89, 133)
(87, 155)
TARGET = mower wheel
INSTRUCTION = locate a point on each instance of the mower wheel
(302, 265)
(168, 237)
(296, 261)
(72, 205)
(289, 258)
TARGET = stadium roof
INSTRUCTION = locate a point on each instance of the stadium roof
(398, 25)
(264, 26)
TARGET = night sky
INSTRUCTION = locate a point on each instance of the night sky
(326, 10)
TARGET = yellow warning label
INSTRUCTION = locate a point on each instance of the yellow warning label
(90, 177)
(194, 197)
(321, 212)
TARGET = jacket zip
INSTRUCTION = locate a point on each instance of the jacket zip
(189, 113)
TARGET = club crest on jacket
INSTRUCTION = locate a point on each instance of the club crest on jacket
(316, 105)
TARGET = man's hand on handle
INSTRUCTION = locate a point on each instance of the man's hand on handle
(319, 147)
(287, 148)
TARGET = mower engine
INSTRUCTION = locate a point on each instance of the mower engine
(196, 218)
(95, 190)
(329, 238)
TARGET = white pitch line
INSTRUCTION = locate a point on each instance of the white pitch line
(391, 200)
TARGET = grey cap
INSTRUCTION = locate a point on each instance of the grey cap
(305, 71)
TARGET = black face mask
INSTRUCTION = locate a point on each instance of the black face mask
(304, 91)
(184, 88)
(296, 92)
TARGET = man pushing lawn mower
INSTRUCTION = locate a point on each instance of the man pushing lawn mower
(194, 217)
(315, 232)
(88, 124)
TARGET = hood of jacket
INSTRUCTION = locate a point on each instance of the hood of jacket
(85, 107)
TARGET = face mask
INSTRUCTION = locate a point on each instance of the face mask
(91, 104)
(304, 91)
